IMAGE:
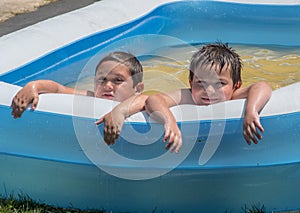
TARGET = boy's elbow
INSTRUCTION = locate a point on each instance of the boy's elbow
(265, 89)
(149, 101)
(266, 86)
(148, 104)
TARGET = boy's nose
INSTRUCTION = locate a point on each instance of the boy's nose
(210, 89)
(108, 85)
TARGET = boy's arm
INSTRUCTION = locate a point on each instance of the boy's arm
(29, 94)
(113, 121)
(158, 106)
(257, 96)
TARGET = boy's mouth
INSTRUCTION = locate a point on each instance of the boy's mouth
(107, 96)
(209, 100)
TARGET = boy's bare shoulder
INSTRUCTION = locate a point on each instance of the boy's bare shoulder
(240, 93)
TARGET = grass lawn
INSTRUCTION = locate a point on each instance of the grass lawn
(24, 204)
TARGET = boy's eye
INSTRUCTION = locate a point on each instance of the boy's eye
(118, 80)
(201, 83)
(205, 84)
(101, 80)
(219, 84)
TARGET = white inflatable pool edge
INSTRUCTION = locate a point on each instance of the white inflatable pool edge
(283, 101)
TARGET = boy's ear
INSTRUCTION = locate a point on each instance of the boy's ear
(237, 85)
(139, 87)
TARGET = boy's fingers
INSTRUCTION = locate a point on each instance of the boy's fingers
(14, 113)
(107, 139)
(168, 145)
(19, 105)
(257, 136)
(171, 143)
(100, 120)
(247, 139)
(259, 126)
(34, 102)
(247, 135)
(254, 140)
(15, 109)
(251, 134)
(19, 111)
(111, 134)
(178, 146)
(117, 134)
(108, 136)
(254, 132)
(167, 135)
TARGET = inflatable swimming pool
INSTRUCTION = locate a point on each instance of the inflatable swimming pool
(57, 155)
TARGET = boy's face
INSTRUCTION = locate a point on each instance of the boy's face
(210, 86)
(113, 81)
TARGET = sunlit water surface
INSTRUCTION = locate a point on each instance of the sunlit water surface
(167, 69)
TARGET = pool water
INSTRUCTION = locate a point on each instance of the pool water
(167, 69)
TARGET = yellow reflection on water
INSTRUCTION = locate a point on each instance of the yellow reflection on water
(278, 65)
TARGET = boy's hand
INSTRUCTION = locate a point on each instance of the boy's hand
(173, 135)
(113, 123)
(27, 95)
(251, 126)
(257, 96)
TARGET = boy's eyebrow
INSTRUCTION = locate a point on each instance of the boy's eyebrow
(114, 76)
(120, 75)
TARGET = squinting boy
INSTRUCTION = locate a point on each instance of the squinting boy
(215, 76)
(118, 77)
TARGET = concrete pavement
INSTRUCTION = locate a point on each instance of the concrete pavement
(42, 13)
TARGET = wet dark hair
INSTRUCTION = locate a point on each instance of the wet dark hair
(127, 59)
(217, 55)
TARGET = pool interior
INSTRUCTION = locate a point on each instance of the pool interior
(266, 36)
(168, 68)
